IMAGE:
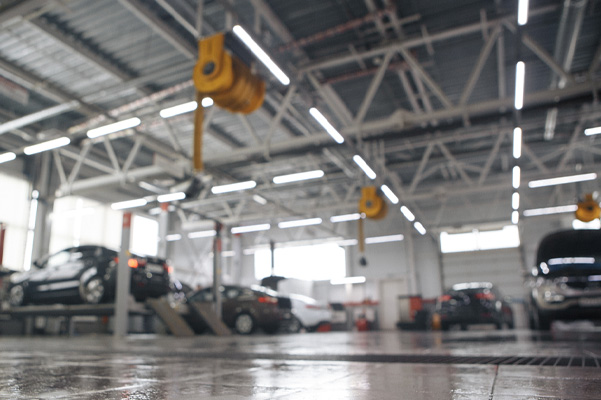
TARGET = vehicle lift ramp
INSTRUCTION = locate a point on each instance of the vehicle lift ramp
(206, 312)
(176, 324)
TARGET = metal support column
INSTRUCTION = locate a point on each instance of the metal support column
(272, 251)
(217, 269)
(123, 281)
(163, 229)
(410, 257)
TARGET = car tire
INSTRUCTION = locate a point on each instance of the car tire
(294, 326)
(16, 296)
(93, 290)
(543, 323)
(244, 324)
(499, 326)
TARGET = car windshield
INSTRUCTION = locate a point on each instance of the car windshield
(570, 253)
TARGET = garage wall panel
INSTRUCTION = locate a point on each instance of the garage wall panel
(14, 212)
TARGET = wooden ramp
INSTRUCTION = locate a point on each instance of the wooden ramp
(176, 324)
(206, 313)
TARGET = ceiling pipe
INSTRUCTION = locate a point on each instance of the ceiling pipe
(572, 16)
(38, 116)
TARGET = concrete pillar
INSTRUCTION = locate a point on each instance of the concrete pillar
(123, 280)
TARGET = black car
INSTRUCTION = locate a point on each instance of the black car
(86, 274)
(244, 309)
(566, 282)
(473, 303)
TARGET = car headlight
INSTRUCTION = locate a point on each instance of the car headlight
(551, 296)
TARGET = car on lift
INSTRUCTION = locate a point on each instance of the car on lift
(474, 303)
(308, 314)
(565, 284)
(245, 309)
(86, 274)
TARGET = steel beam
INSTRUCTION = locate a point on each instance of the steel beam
(38, 116)
(426, 78)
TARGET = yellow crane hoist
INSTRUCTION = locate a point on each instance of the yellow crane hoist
(373, 206)
(227, 80)
(588, 209)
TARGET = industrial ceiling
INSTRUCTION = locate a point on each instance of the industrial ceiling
(422, 90)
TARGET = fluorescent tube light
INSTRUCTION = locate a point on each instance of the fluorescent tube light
(593, 131)
(228, 253)
(348, 280)
(44, 146)
(515, 217)
(164, 198)
(261, 55)
(250, 228)
(173, 237)
(179, 109)
(522, 12)
(301, 176)
(562, 180)
(384, 239)
(390, 194)
(233, 187)
(535, 212)
(347, 242)
(261, 200)
(326, 125)
(419, 227)
(408, 214)
(6, 157)
(515, 201)
(520, 76)
(345, 218)
(206, 102)
(129, 204)
(363, 165)
(517, 143)
(201, 234)
(112, 128)
(516, 177)
(299, 222)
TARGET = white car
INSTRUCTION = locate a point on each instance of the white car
(308, 313)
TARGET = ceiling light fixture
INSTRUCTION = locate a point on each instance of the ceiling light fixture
(261, 55)
(301, 176)
(44, 146)
(201, 234)
(164, 198)
(384, 239)
(178, 110)
(390, 194)
(347, 242)
(535, 212)
(348, 280)
(122, 205)
(520, 76)
(6, 157)
(173, 237)
(363, 165)
(516, 177)
(207, 102)
(112, 128)
(593, 131)
(299, 222)
(419, 227)
(522, 12)
(515, 217)
(233, 187)
(261, 200)
(345, 218)
(562, 180)
(517, 143)
(326, 125)
(250, 228)
(515, 201)
(408, 214)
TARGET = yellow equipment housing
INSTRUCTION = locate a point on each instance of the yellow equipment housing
(226, 79)
(588, 209)
(371, 204)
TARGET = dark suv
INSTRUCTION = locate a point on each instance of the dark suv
(566, 282)
(244, 309)
(473, 303)
(86, 274)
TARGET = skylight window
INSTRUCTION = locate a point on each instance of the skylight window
(505, 238)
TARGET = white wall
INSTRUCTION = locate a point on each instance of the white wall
(14, 212)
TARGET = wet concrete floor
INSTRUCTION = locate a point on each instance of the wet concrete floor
(331, 365)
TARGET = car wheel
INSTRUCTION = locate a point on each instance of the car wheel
(244, 324)
(499, 325)
(16, 296)
(92, 292)
(294, 326)
(543, 323)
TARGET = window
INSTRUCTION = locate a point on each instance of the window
(14, 212)
(314, 263)
(144, 236)
(507, 237)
